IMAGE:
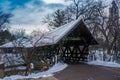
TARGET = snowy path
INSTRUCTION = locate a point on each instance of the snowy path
(88, 72)
(94, 70)
(46, 78)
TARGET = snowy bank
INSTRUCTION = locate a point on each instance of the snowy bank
(103, 63)
(57, 67)
(1, 62)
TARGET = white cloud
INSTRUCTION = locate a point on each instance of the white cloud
(32, 13)
(54, 1)
(29, 28)
(30, 17)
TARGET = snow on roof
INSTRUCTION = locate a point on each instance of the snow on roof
(54, 36)
(48, 38)
(21, 42)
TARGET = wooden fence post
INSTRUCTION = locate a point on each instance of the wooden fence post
(2, 70)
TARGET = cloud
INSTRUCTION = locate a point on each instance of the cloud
(31, 15)
(28, 28)
(54, 1)
(28, 14)
(53, 5)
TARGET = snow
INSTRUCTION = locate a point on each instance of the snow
(1, 62)
(99, 55)
(103, 63)
(98, 59)
(21, 42)
(57, 67)
(31, 65)
(48, 38)
(11, 59)
(52, 37)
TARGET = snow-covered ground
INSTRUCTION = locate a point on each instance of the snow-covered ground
(103, 63)
(11, 59)
(97, 59)
(57, 67)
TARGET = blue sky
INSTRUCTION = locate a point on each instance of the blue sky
(28, 14)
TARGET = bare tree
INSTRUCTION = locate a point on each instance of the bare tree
(47, 20)
(13, 55)
(19, 33)
(84, 8)
(95, 15)
(108, 30)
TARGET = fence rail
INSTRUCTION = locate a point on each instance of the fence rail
(14, 70)
(12, 66)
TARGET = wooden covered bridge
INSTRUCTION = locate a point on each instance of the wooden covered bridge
(71, 41)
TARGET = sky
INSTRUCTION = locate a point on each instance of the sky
(28, 14)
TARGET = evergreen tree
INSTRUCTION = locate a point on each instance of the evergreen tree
(59, 18)
(5, 35)
(4, 19)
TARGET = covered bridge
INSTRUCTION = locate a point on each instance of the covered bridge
(71, 41)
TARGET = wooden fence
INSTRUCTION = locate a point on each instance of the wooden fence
(12, 70)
